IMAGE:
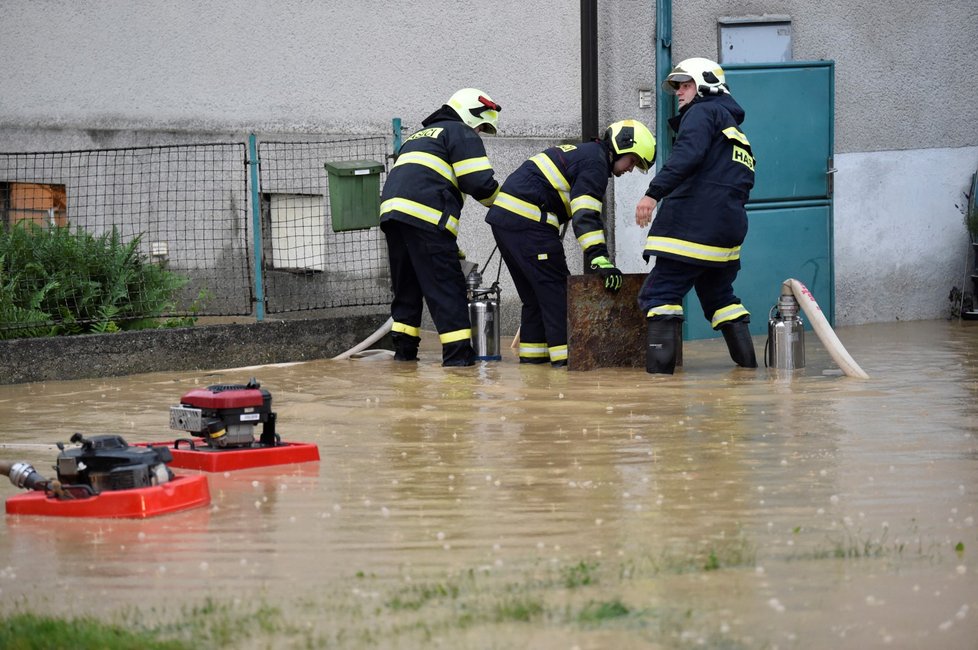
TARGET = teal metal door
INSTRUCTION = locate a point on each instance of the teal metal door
(790, 113)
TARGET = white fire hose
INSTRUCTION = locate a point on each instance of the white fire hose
(367, 342)
(822, 328)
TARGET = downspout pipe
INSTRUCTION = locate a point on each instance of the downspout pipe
(589, 70)
(665, 105)
(256, 227)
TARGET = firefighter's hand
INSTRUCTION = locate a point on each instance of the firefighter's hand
(608, 271)
(644, 210)
(461, 254)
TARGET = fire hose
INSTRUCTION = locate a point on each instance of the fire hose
(367, 342)
(822, 328)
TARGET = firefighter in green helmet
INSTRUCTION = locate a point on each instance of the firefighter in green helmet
(561, 184)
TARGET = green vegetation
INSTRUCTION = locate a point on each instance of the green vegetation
(55, 282)
(32, 632)
(208, 625)
(622, 599)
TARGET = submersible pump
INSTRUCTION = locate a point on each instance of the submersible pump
(484, 316)
(785, 334)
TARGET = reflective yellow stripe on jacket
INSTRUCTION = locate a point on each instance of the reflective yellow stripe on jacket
(692, 250)
(419, 211)
(432, 162)
(523, 208)
(554, 177)
(589, 239)
(471, 165)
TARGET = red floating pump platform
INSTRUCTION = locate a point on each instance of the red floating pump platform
(105, 477)
(224, 417)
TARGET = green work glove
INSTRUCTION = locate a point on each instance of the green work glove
(608, 271)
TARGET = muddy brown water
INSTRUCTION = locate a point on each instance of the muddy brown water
(831, 512)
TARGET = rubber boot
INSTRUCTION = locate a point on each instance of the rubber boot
(740, 344)
(405, 346)
(458, 353)
(661, 348)
(679, 345)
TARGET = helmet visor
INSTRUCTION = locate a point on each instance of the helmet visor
(671, 85)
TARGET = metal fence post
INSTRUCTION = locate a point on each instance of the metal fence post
(256, 224)
(396, 126)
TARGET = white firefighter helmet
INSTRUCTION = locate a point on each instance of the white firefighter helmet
(631, 136)
(476, 108)
(708, 76)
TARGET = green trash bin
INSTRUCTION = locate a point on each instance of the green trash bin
(354, 193)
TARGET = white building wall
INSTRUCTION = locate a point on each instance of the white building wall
(117, 73)
(900, 239)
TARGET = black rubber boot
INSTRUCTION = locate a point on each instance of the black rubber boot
(405, 346)
(661, 346)
(459, 353)
(740, 344)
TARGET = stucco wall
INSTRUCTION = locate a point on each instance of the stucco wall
(900, 240)
(117, 73)
(898, 64)
(230, 65)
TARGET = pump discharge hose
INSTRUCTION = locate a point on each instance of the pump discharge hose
(822, 328)
(367, 342)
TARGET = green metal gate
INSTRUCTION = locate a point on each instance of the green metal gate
(790, 113)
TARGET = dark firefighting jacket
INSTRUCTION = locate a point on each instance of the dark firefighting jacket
(562, 183)
(434, 169)
(704, 185)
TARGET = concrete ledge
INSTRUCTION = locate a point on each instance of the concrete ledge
(202, 347)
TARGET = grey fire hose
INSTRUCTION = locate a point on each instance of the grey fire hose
(367, 342)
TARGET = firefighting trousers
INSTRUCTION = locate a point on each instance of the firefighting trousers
(536, 262)
(669, 281)
(425, 268)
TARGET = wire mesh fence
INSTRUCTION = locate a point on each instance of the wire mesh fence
(316, 257)
(186, 211)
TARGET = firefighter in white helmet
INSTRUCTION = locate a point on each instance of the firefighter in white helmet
(420, 208)
(561, 184)
(701, 192)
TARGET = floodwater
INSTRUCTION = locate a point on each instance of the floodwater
(509, 506)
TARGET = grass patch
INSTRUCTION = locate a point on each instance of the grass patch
(597, 612)
(522, 609)
(415, 597)
(580, 574)
(211, 624)
(33, 632)
(850, 545)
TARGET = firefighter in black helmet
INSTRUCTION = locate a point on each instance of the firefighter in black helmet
(701, 223)
(560, 184)
(420, 208)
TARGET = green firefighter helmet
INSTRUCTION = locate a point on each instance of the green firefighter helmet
(631, 136)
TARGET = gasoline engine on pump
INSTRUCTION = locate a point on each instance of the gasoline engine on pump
(104, 463)
(226, 415)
